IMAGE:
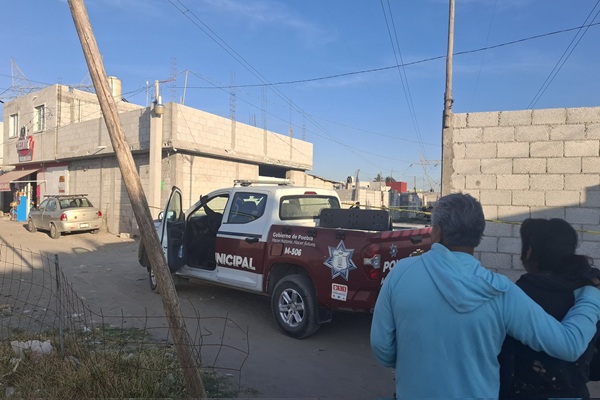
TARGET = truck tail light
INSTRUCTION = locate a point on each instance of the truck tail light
(99, 214)
(372, 261)
(63, 217)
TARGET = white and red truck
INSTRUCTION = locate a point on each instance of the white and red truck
(294, 244)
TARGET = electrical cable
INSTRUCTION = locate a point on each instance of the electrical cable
(425, 60)
(395, 42)
(190, 15)
(487, 38)
(563, 58)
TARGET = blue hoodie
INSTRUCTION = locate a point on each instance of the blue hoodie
(441, 319)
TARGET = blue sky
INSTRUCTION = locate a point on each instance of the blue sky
(324, 68)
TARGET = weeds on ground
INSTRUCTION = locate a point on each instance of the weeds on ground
(107, 362)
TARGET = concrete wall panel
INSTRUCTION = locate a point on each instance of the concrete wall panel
(549, 168)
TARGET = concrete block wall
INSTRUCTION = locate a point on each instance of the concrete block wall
(63, 106)
(2, 145)
(197, 127)
(200, 131)
(84, 138)
(201, 175)
(80, 132)
(300, 178)
(369, 199)
(74, 105)
(530, 163)
(102, 181)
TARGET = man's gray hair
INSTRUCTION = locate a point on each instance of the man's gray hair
(461, 219)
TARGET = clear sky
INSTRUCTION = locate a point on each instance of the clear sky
(324, 69)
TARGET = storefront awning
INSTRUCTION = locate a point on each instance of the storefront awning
(8, 177)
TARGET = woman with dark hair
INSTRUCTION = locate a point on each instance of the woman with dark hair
(554, 271)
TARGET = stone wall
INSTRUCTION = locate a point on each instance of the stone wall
(532, 163)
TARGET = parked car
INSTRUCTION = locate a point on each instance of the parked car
(60, 214)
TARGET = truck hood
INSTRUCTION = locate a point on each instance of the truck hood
(461, 279)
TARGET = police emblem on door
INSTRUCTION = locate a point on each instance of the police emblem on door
(340, 261)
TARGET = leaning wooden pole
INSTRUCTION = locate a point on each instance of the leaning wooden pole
(189, 363)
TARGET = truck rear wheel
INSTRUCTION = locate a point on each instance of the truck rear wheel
(294, 306)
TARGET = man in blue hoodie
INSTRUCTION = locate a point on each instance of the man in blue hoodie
(441, 317)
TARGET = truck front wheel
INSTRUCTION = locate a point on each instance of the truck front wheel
(154, 283)
(294, 306)
(152, 279)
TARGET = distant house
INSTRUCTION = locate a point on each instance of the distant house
(57, 141)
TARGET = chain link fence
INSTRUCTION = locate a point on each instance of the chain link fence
(41, 314)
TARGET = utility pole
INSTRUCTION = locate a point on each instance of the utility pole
(189, 364)
(448, 93)
(447, 130)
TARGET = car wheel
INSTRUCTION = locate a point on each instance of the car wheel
(294, 306)
(95, 231)
(54, 232)
(31, 226)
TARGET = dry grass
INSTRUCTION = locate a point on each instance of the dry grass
(105, 363)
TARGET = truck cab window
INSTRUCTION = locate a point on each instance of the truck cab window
(246, 207)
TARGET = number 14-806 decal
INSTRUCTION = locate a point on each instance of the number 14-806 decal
(292, 251)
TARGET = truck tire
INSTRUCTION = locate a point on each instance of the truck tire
(54, 232)
(152, 280)
(154, 284)
(294, 306)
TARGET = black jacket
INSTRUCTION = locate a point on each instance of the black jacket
(528, 374)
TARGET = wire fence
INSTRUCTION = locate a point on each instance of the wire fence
(40, 312)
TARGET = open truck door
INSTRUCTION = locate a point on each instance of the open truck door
(172, 231)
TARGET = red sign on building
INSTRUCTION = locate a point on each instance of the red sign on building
(25, 146)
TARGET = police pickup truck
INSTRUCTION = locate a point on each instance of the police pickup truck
(294, 244)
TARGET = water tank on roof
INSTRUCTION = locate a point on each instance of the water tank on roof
(115, 88)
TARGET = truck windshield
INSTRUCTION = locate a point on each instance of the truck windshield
(305, 207)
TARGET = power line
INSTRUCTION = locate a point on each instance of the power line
(487, 37)
(370, 70)
(403, 77)
(407, 64)
(563, 58)
(216, 85)
(190, 15)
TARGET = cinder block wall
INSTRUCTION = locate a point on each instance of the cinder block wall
(532, 163)
(301, 178)
(196, 130)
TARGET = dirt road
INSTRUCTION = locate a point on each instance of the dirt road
(334, 363)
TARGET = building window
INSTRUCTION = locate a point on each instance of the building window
(13, 125)
(39, 118)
